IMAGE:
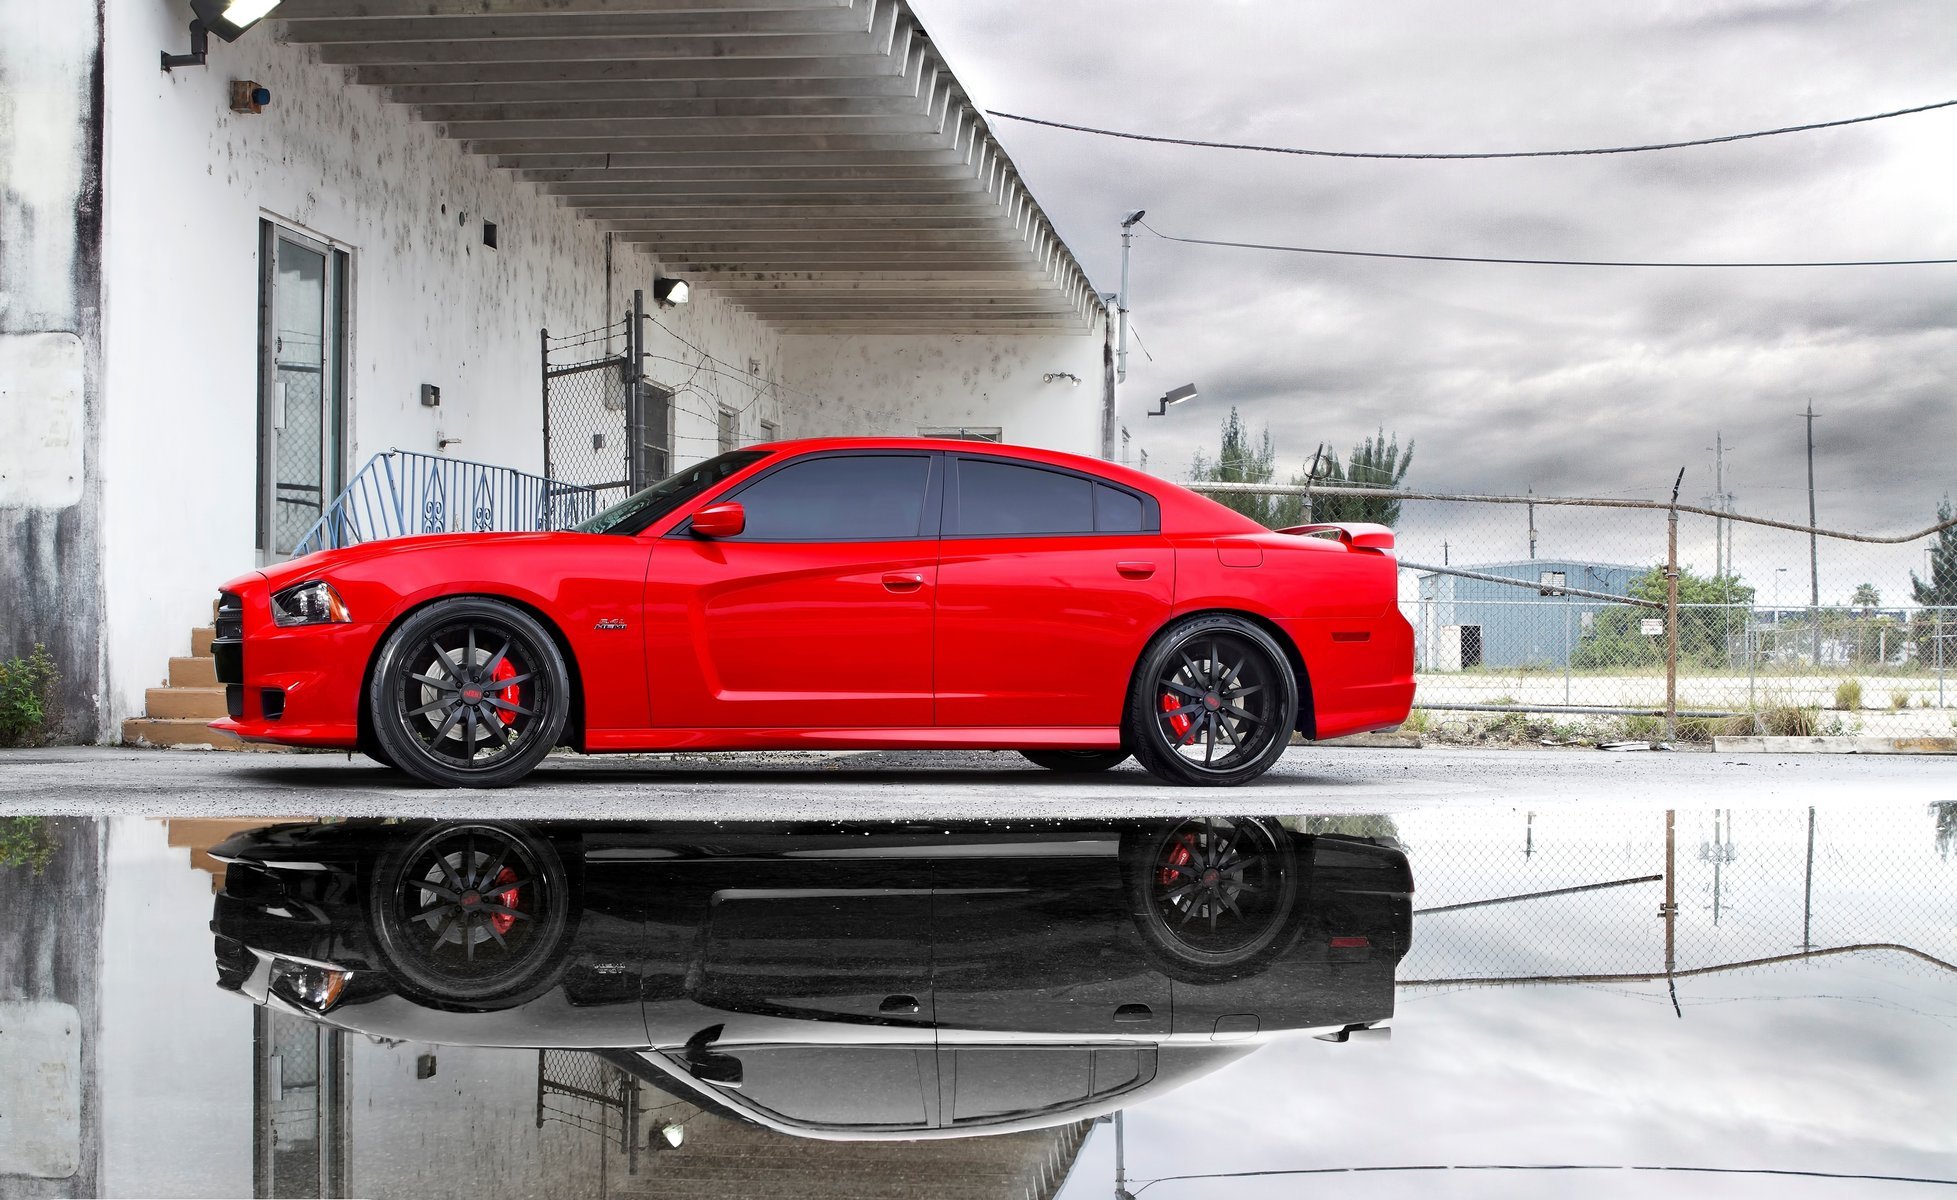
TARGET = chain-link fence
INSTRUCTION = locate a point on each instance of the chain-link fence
(1615, 896)
(585, 1092)
(1555, 618)
(592, 412)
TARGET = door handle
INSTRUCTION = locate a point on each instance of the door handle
(906, 1006)
(902, 581)
(1129, 1014)
(1135, 570)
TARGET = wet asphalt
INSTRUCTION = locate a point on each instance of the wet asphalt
(948, 785)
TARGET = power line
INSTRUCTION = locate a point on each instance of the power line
(1539, 262)
(1711, 141)
(1769, 1171)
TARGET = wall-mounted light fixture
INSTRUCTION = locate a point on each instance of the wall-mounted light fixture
(1055, 376)
(1174, 396)
(431, 396)
(668, 292)
(229, 19)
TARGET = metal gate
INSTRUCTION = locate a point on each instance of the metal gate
(607, 430)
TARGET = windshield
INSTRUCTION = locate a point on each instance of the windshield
(641, 509)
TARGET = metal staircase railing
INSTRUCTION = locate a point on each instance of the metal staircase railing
(401, 493)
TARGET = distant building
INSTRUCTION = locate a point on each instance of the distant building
(1462, 623)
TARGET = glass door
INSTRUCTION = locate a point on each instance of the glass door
(301, 396)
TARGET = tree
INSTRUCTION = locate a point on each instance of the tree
(1242, 459)
(1377, 462)
(1707, 629)
(1935, 631)
(1866, 597)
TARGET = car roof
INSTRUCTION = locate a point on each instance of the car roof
(1181, 507)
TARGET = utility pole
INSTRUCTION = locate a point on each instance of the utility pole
(1814, 545)
(1121, 1191)
(1532, 525)
(1121, 304)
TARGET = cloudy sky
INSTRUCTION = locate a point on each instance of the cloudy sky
(1565, 380)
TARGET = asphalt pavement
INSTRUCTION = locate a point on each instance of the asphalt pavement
(936, 786)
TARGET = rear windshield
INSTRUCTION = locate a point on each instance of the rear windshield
(641, 509)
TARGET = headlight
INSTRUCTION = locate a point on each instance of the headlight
(313, 988)
(314, 603)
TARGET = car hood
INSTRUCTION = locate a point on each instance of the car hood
(322, 564)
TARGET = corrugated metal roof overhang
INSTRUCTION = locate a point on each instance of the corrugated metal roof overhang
(813, 160)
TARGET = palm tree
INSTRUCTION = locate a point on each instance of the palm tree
(1866, 597)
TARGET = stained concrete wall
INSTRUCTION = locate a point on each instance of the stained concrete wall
(189, 181)
(50, 366)
(899, 385)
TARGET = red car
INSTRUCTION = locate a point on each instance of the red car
(840, 593)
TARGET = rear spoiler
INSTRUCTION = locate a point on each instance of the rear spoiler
(1357, 535)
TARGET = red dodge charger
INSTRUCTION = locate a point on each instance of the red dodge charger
(838, 593)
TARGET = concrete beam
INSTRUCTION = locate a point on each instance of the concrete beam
(746, 175)
(728, 131)
(709, 191)
(675, 91)
(744, 160)
(715, 52)
(408, 9)
(519, 26)
(622, 67)
(904, 143)
(880, 325)
(770, 109)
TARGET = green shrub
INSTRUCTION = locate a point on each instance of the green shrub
(26, 697)
(26, 842)
(1643, 729)
(1417, 721)
(1899, 700)
(1848, 695)
(1697, 730)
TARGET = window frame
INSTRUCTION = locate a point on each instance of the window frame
(929, 524)
(949, 522)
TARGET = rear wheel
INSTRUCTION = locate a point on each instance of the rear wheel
(468, 692)
(1214, 896)
(1213, 702)
(1076, 762)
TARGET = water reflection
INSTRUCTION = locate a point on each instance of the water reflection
(838, 983)
(486, 1010)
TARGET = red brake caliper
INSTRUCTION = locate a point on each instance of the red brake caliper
(509, 695)
(1178, 856)
(1180, 722)
(507, 897)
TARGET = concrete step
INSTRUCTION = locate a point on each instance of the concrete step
(200, 641)
(180, 731)
(193, 672)
(204, 703)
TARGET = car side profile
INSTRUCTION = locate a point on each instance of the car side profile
(842, 982)
(843, 594)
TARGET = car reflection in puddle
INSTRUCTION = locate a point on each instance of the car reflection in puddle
(842, 983)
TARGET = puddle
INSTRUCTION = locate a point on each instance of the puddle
(490, 1009)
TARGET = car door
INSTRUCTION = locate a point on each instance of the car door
(817, 615)
(1049, 584)
(1033, 937)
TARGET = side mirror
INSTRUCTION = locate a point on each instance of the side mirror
(720, 520)
(721, 1070)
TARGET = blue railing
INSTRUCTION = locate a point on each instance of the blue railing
(400, 493)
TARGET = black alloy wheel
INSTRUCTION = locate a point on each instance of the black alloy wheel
(468, 692)
(1214, 895)
(1213, 702)
(1076, 762)
(471, 912)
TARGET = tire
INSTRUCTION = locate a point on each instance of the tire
(1076, 762)
(471, 913)
(1215, 898)
(468, 692)
(1212, 703)
(371, 747)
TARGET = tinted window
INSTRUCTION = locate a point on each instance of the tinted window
(836, 1085)
(641, 509)
(1001, 499)
(843, 499)
(1116, 511)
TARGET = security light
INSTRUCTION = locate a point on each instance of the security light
(229, 19)
(1175, 396)
(674, 1135)
(1133, 217)
(668, 292)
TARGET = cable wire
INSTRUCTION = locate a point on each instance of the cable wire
(1768, 1171)
(1539, 262)
(1641, 149)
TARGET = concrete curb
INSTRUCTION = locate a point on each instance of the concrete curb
(1374, 741)
(1835, 745)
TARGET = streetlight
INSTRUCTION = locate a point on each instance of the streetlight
(229, 19)
(1174, 396)
(1121, 302)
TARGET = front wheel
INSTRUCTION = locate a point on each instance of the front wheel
(1076, 762)
(468, 692)
(1213, 702)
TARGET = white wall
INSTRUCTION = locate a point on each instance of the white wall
(187, 183)
(895, 385)
(175, 1060)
